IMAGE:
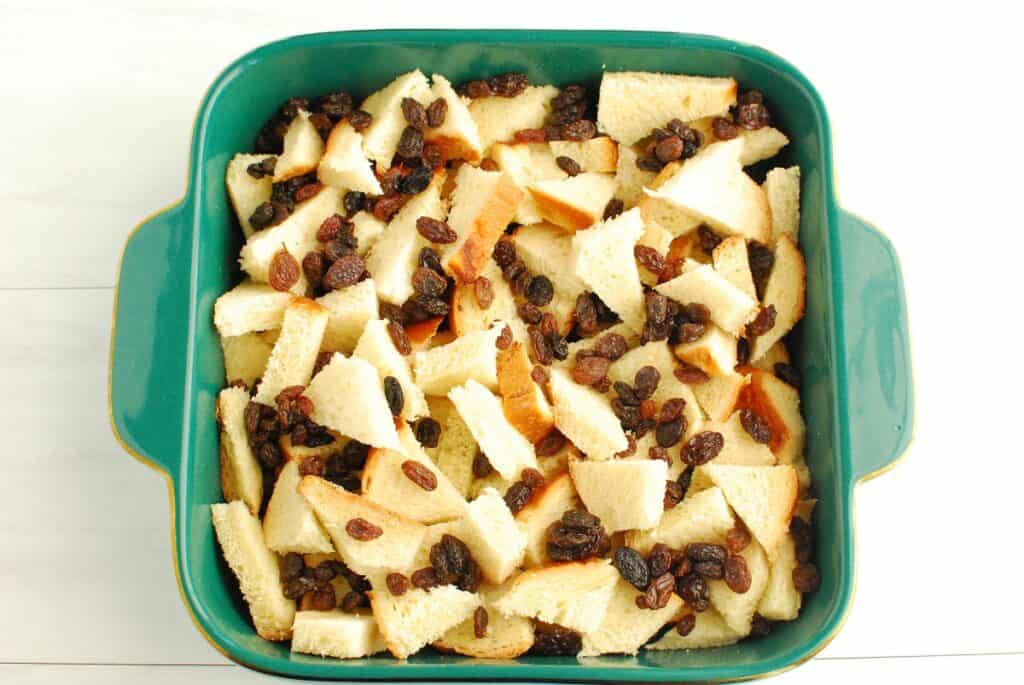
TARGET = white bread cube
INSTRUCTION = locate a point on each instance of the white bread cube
(417, 618)
(731, 309)
(547, 250)
(585, 416)
(246, 192)
(303, 148)
(778, 403)
(385, 483)
(599, 154)
(760, 144)
(785, 290)
(574, 594)
(506, 637)
(712, 187)
(290, 524)
(344, 165)
(525, 405)
(701, 517)
(782, 187)
(738, 447)
(557, 496)
(527, 163)
(710, 630)
(348, 396)
(626, 627)
(731, 261)
(241, 476)
(483, 204)
(367, 228)
(297, 234)
(499, 118)
(781, 601)
(631, 103)
(718, 396)
(245, 356)
(657, 354)
(574, 203)
(376, 347)
(466, 316)
(776, 354)
(394, 550)
(394, 256)
(626, 494)
(249, 307)
(495, 539)
(603, 259)
(294, 355)
(349, 310)
(763, 496)
(630, 180)
(255, 566)
(456, 447)
(380, 139)
(507, 450)
(336, 634)
(714, 353)
(737, 609)
(457, 137)
(471, 357)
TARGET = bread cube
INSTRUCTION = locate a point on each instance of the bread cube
(574, 203)
(557, 496)
(763, 496)
(599, 154)
(585, 416)
(457, 137)
(761, 144)
(348, 397)
(241, 476)
(626, 494)
(466, 316)
(714, 353)
(495, 539)
(303, 148)
(418, 617)
(731, 309)
(376, 347)
(782, 187)
(603, 259)
(574, 594)
(380, 139)
(731, 261)
(781, 601)
(506, 637)
(456, 447)
(344, 165)
(527, 163)
(778, 403)
(255, 566)
(629, 179)
(246, 192)
(367, 228)
(470, 357)
(385, 483)
(719, 395)
(710, 630)
(349, 310)
(483, 204)
(525, 405)
(547, 250)
(738, 447)
(289, 524)
(507, 450)
(249, 307)
(785, 290)
(294, 355)
(737, 609)
(499, 118)
(336, 634)
(245, 356)
(664, 97)
(626, 627)
(701, 517)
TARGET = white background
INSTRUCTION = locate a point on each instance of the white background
(96, 108)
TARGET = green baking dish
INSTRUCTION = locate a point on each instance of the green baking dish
(166, 363)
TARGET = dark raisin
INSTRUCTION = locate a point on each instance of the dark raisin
(585, 315)
(252, 417)
(760, 626)
(550, 444)
(737, 539)
(702, 448)
(310, 466)
(712, 570)
(691, 332)
(262, 168)
(415, 114)
(568, 165)
(509, 84)
(672, 409)
(399, 338)
(614, 207)
(610, 346)
(313, 266)
(476, 89)
(673, 494)
(763, 322)
(649, 164)
(335, 105)
(530, 313)
(436, 112)
(504, 253)
(389, 179)
(481, 466)
(517, 496)
(433, 306)
(626, 395)
(559, 347)
(284, 271)
(530, 135)
(756, 426)
(433, 156)
(540, 291)
(806, 578)
(724, 129)
(656, 307)
(686, 624)
(270, 455)
(391, 312)
(436, 231)
(709, 240)
(327, 571)
(360, 120)
(429, 259)
(787, 373)
(568, 96)
(307, 191)
(387, 206)
(761, 260)
(504, 339)
(542, 353)
(428, 282)
(394, 395)
(416, 181)
(590, 370)
(681, 565)
(354, 454)
(428, 432)
(425, 578)
(736, 574)
(533, 478)
(354, 202)
(362, 530)
(354, 600)
(480, 623)
(668, 434)
(694, 591)
(706, 551)
(646, 382)
(742, 351)
(583, 129)
(659, 561)
(691, 375)
(292, 566)
(324, 598)
(296, 587)
(669, 149)
(649, 258)
(397, 584)
(659, 592)
(554, 640)
(753, 116)
(452, 563)
(335, 250)
(343, 273)
(568, 114)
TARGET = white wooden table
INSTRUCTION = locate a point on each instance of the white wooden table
(96, 111)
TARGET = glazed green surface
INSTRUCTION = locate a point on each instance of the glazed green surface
(167, 366)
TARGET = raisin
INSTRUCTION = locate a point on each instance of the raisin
(806, 578)
(284, 271)
(550, 444)
(702, 448)
(686, 624)
(787, 373)
(324, 598)
(296, 587)
(568, 114)
(436, 231)
(614, 207)
(672, 409)
(416, 181)
(630, 447)
(397, 584)
(763, 322)
(263, 168)
(481, 466)
(354, 454)
(761, 260)
(709, 240)
(649, 164)
(691, 375)
(696, 312)
(425, 579)
(737, 539)
(706, 551)
(391, 312)
(760, 626)
(533, 478)
(415, 114)
(433, 306)
(410, 145)
(313, 266)
(583, 129)
(659, 592)
(646, 382)
(803, 537)
(343, 273)
(753, 116)
(394, 395)
(327, 571)
(483, 292)
(517, 496)
(428, 282)
(399, 338)
(559, 347)
(682, 566)
(750, 97)
(656, 307)
(360, 120)
(433, 157)
(504, 253)
(724, 129)
(554, 640)
(569, 95)
(540, 291)
(509, 84)
(354, 600)
(648, 409)
(610, 346)
(756, 426)
(310, 466)
(476, 89)
(530, 313)
(712, 570)
(568, 165)
(736, 574)
(362, 530)
(742, 351)
(453, 564)
(292, 566)
(252, 417)
(576, 536)
(387, 206)
(585, 315)
(480, 622)
(691, 332)
(530, 135)
(307, 191)
(435, 113)
(626, 395)
(669, 149)
(590, 370)
(660, 560)
(542, 353)
(488, 164)
(693, 589)
(419, 474)
(270, 455)
(335, 105)
(504, 339)
(673, 493)
(649, 258)
(668, 434)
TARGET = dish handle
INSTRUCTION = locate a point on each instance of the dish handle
(149, 339)
(877, 343)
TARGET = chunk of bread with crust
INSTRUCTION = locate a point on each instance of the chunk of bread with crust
(658, 355)
(776, 354)
(714, 353)
(337, 634)
(778, 403)
(473, 356)
(394, 256)
(467, 316)
(547, 250)
(781, 600)
(585, 416)
(557, 496)
(763, 496)
(245, 356)
(499, 118)
(710, 630)
(737, 609)
(456, 447)
(393, 550)
(344, 165)
(600, 154)
(782, 187)
(523, 400)
(603, 259)
(290, 524)
(495, 539)
(630, 180)
(712, 187)
(294, 355)
(506, 637)
(483, 204)
(701, 517)
(246, 192)
(418, 617)
(631, 103)
(626, 494)
(574, 203)
(719, 395)
(241, 476)
(385, 483)
(785, 290)
(349, 310)
(249, 306)
(255, 566)
(738, 447)
(761, 144)
(731, 261)
(527, 163)
(376, 347)
(731, 309)
(506, 449)
(302, 150)
(380, 139)
(626, 627)
(574, 594)
(458, 136)
(348, 396)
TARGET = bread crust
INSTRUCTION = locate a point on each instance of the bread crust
(524, 403)
(468, 262)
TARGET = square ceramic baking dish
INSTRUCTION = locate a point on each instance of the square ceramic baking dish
(167, 367)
